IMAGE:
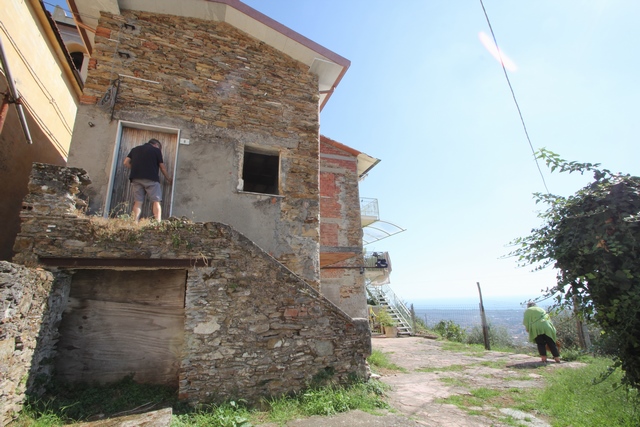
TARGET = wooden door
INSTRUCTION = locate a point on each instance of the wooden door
(121, 195)
(120, 323)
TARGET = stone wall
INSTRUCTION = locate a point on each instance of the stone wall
(31, 302)
(223, 91)
(253, 328)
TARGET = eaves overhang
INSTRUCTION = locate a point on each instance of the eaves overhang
(327, 65)
(365, 161)
(51, 32)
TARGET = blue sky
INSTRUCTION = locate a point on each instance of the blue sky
(426, 97)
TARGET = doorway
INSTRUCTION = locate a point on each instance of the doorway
(123, 322)
(121, 199)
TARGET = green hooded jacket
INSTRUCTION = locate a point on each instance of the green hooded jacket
(536, 322)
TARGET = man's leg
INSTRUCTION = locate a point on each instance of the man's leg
(138, 199)
(157, 211)
(136, 211)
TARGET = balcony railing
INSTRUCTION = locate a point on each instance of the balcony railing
(369, 211)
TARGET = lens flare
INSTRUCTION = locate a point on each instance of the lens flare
(500, 56)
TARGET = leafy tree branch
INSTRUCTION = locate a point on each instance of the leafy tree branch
(592, 239)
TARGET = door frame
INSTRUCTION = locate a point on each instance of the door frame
(114, 157)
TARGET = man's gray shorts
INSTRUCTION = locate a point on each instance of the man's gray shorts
(140, 187)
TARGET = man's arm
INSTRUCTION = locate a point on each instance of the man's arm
(127, 162)
(165, 173)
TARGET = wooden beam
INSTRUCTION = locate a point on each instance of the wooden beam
(123, 262)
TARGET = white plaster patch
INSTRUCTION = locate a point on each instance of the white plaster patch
(206, 328)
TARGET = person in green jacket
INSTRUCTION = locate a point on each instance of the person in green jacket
(541, 331)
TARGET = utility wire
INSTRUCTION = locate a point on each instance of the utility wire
(513, 94)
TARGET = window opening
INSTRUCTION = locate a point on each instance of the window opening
(78, 59)
(260, 172)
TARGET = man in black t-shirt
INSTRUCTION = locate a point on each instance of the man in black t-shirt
(144, 161)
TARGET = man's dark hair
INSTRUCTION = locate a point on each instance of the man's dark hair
(155, 142)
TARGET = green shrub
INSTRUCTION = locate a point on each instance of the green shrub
(499, 337)
(450, 330)
(385, 319)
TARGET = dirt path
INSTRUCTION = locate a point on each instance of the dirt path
(433, 373)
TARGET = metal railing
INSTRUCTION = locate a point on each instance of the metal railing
(369, 207)
(385, 296)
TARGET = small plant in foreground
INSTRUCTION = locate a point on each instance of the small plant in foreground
(366, 397)
(231, 414)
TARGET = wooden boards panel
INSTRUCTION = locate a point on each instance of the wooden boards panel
(121, 195)
(150, 287)
(117, 324)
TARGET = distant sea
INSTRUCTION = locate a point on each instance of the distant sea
(502, 312)
(514, 302)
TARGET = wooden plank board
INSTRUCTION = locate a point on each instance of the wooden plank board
(104, 341)
(151, 287)
(119, 323)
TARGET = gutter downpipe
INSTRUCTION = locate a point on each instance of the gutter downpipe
(15, 96)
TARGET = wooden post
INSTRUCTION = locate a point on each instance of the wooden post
(413, 321)
(485, 326)
(583, 334)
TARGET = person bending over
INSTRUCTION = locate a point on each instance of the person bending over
(541, 331)
(144, 161)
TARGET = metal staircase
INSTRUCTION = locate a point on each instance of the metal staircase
(388, 300)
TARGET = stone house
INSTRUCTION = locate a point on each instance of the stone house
(342, 275)
(233, 301)
(42, 74)
(235, 98)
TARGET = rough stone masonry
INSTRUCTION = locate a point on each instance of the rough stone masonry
(31, 302)
(252, 328)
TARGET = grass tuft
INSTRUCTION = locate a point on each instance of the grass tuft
(379, 360)
(575, 397)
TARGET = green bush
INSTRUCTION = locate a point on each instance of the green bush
(499, 336)
(450, 330)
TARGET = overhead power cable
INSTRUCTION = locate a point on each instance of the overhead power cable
(513, 94)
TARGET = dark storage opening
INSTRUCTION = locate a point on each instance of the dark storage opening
(260, 172)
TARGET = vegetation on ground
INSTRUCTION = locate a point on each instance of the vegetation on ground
(591, 238)
(448, 368)
(379, 362)
(588, 396)
(79, 403)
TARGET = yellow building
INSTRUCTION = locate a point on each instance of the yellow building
(47, 86)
